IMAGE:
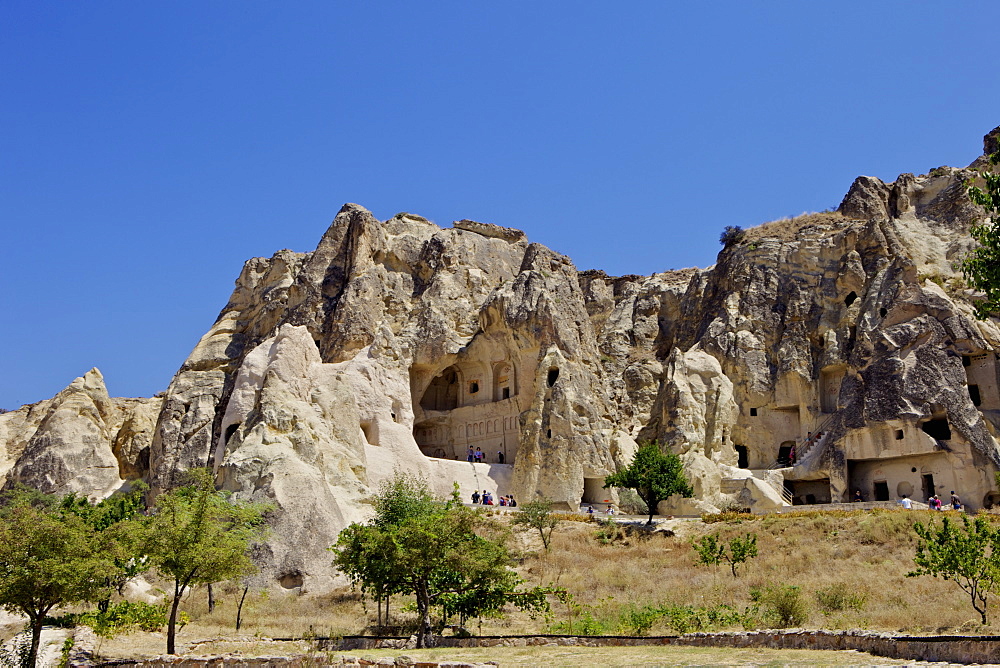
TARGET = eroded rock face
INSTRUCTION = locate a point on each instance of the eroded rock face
(80, 441)
(822, 354)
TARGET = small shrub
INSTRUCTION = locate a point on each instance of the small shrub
(638, 621)
(586, 625)
(733, 234)
(837, 599)
(782, 606)
(609, 531)
(122, 617)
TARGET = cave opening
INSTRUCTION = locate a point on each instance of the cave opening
(851, 298)
(553, 376)
(442, 393)
(742, 456)
(937, 429)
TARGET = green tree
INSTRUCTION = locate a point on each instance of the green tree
(654, 475)
(537, 515)
(48, 558)
(739, 550)
(968, 555)
(117, 522)
(981, 267)
(443, 553)
(198, 536)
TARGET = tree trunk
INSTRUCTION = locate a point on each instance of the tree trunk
(239, 607)
(36, 636)
(211, 599)
(651, 507)
(425, 637)
(172, 624)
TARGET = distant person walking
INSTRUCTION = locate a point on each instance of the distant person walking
(956, 503)
(472, 454)
(906, 503)
(475, 497)
(499, 456)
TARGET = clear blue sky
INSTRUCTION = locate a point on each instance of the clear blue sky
(148, 149)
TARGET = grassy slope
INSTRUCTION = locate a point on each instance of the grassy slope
(864, 556)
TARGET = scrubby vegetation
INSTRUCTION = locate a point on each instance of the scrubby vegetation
(844, 569)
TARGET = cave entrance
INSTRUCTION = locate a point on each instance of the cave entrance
(785, 453)
(881, 490)
(442, 393)
(742, 456)
(927, 485)
(937, 429)
(594, 492)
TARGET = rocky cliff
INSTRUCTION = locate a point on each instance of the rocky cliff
(820, 355)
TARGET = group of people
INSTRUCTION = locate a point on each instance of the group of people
(934, 502)
(610, 510)
(486, 499)
(477, 456)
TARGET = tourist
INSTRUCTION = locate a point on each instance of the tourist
(590, 509)
(471, 454)
(484, 496)
(956, 503)
(499, 456)
(857, 496)
(475, 497)
(479, 455)
(503, 501)
(938, 505)
(511, 502)
(906, 503)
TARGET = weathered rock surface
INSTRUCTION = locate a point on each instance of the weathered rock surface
(820, 355)
(79, 441)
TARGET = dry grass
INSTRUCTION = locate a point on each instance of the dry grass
(790, 229)
(850, 566)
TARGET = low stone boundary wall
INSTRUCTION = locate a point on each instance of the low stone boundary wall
(951, 649)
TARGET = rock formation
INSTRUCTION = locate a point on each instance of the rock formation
(819, 355)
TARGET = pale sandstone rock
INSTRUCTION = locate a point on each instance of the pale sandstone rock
(290, 438)
(70, 448)
(396, 345)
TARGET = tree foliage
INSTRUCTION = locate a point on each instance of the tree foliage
(537, 515)
(968, 555)
(732, 234)
(444, 554)
(199, 536)
(981, 267)
(48, 558)
(654, 475)
(117, 523)
(712, 552)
